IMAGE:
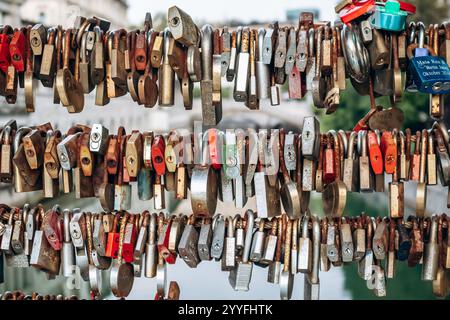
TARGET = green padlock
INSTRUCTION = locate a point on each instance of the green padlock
(389, 17)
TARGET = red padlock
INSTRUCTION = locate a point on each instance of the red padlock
(17, 49)
(112, 243)
(129, 240)
(53, 228)
(158, 150)
(163, 244)
(389, 150)
(407, 7)
(329, 164)
(213, 147)
(375, 156)
(356, 10)
(5, 56)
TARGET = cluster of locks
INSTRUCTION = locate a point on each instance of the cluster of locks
(132, 245)
(373, 48)
(280, 169)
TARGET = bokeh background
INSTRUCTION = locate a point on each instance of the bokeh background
(207, 281)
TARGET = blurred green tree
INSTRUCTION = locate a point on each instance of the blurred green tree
(430, 11)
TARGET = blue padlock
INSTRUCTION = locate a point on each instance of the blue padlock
(430, 73)
(389, 17)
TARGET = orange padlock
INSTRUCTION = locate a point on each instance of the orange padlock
(389, 151)
(375, 156)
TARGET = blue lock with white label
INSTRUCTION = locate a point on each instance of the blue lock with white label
(389, 17)
(429, 73)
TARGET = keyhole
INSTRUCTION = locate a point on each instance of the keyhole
(174, 21)
(86, 161)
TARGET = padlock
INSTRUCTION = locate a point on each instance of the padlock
(5, 244)
(258, 241)
(218, 237)
(240, 277)
(203, 191)
(389, 17)
(98, 58)
(85, 65)
(53, 228)
(25, 179)
(379, 242)
(262, 69)
(166, 74)
(5, 55)
(286, 278)
(112, 244)
(99, 139)
(17, 49)
(183, 28)
(431, 253)
(6, 171)
(430, 73)
(129, 240)
(304, 263)
(187, 247)
(365, 265)
(48, 64)
(151, 251)
(310, 138)
(43, 256)
(351, 165)
(365, 174)
(229, 255)
(118, 72)
(353, 10)
(163, 243)
(204, 240)
(312, 281)
(133, 154)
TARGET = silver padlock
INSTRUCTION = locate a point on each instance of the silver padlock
(204, 241)
(241, 276)
(257, 249)
(218, 237)
(262, 69)
(271, 244)
(242, 68)
(229, 256)
(99, 138)
(67, 151)
(346, 242)
(310, 138)
(187, 247)
(304, 263)
(431, 253)
(151, 251)
(67, 250)
(122, 197)
(269, 43)
(312, 282)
